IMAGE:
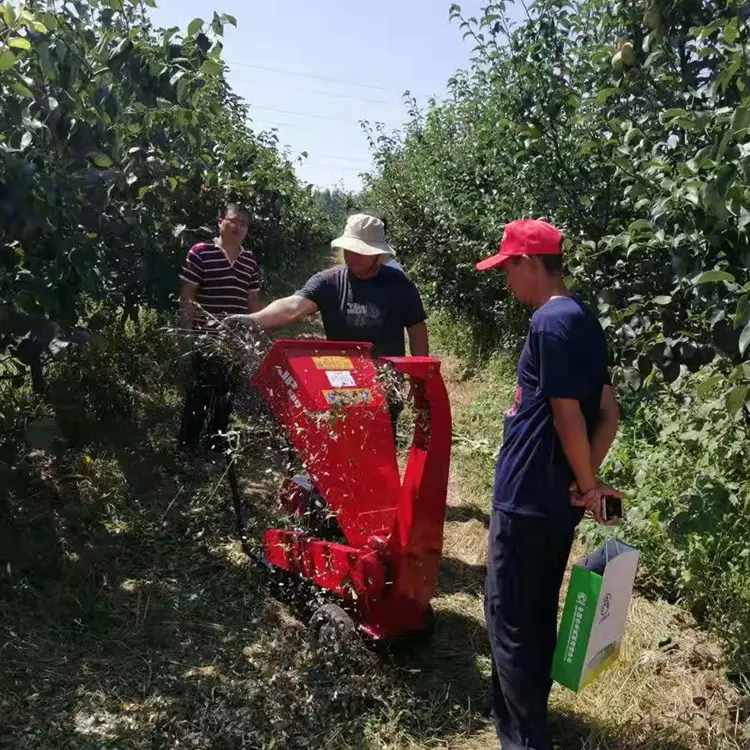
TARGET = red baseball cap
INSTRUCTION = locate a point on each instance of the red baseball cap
(525, 237)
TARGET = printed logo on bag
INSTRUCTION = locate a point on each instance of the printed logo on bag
(606, 605)
(575, 630)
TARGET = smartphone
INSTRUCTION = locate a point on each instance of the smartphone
(611, 508)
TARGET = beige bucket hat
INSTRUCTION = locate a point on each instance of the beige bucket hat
(364, 235)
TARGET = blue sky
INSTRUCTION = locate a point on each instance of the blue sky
(315, 68)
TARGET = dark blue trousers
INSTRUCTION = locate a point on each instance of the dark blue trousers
(525, 567)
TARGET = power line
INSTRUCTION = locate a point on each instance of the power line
(258, 124)
(338, 166)
(307, 75)
(302, 114)
(312, 154)
(331, 95)
(353, 98)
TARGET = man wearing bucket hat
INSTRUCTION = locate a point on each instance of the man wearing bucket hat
(361, 300)
(556, 436)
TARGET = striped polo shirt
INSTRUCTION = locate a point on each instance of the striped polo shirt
(223, 287)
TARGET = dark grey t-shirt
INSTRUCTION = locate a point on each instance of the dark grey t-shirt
(376, 310)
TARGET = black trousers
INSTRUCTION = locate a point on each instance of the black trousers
(525, 567)
(208, 404)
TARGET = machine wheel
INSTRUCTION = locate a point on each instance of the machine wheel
(333, 630)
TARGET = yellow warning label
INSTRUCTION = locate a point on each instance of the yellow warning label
(333, 363)
(349, 396)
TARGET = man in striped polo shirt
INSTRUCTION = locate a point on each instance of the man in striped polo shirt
(219, 278)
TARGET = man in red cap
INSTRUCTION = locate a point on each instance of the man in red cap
(556, 436)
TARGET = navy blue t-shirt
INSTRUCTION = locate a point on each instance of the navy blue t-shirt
(565, 356)
(376, 309)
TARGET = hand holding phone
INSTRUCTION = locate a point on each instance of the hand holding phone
(611, 508)
(603, 502)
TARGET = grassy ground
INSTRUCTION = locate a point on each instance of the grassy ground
(131, 619)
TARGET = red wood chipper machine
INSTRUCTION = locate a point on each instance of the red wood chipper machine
(382, 563)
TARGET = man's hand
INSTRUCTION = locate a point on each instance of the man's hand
(277, 314)
(593, 500)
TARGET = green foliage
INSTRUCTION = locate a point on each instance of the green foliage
(99, 390)
(336, 205)
(627, 126)
(684, 460)
(119, 145)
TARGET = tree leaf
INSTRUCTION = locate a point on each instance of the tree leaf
(7, 60)
(211, 67)
(740, 121)
(195, 26)
(604, 94)
(741, 372)
(745, 339)
(22, 90)
(662, 299)
(731, 31)
(708, 385)
(712, 277)
(736, 398)
(713, 201)
(100, 159)
(26, 139)
(640, 225)
(742, 313)
(19, 42)
(178, 230)
(670, 114)
(8, 13)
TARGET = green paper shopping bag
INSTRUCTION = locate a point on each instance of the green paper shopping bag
(596, 609)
